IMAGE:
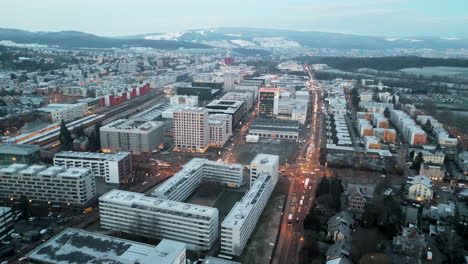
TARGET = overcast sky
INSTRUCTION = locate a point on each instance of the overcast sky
(442, 18)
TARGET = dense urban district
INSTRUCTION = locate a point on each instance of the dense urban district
(135, 155)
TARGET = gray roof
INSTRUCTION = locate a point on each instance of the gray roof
(18, 149)
(83, 247)
(275, 124)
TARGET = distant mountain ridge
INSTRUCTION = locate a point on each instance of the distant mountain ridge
(234, 38)
(76, 40)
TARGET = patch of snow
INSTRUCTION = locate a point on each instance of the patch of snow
(232, 35)
(167, 36)
(243, 43)
(447, 38)
(391, 39)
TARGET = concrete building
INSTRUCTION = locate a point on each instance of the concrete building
(6, 222)
(135, 213)
(411, 132)
(236, 109)
(113, 168)
(19, 153)
(434, 157)
(242, 219)
(65, 112)
(47, 184)
(128, 67)
(411, 242)
(419, 188)
(275, 128)
(184, 100)
(191, 129)
(76, 246)
(433, 172)
(263, 163)
(220, 129)
(247, 97)
(385, 135)
(134, 135)
(268, 102)
(180, 186)
(462, 161)
(230, 78)
(203, 93)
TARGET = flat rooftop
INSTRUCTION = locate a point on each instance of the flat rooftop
(124, 125)
(18, 149)
(41, 170)
(92, 156)
(73, 246)
(238, 214)
(214, 260)
(275, 124)
(130, 198)
(265, 159)
(188, 170)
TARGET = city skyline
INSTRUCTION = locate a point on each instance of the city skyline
(362, 17)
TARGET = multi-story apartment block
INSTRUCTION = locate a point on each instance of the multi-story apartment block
(135, 213)
(420, 188)
(241, 220)
(134, 135)
(6, 222)
(191, 129)
(113, 168)
(263, 163)
(47, 184)
(180, 186)
(65, 112)
(411, 132)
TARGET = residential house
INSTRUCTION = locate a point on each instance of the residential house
(411, 242)
(433, 172)
(419, 188)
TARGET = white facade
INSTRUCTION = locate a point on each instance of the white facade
(247, 97)
(65, 112)
(242, 219)
(220, 129)
(263, 163)
(191, 129)
(180, 186)
(134, 135)
(135, 213)
(6, 222)
(420, 188)
(184, 100)
(41, 183)
(113, 168)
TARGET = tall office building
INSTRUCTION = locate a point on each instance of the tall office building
(229, 81)
(134, 135)
(135, 213)
(268, 102)
(47, 184)
(113, 168)
(220, 129)
(191, 129)
(263, 163)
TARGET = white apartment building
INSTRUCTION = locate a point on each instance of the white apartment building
(191, 129)
(135, 213)
(65, 112)
(113, 168)
(184, 100)
(220, 129)
(241, 220)
(263, 163)
(6, 222)
(47, 184)
(180, 186)
(420, 188)
(134, 135)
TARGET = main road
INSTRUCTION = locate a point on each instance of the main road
(302, 176)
